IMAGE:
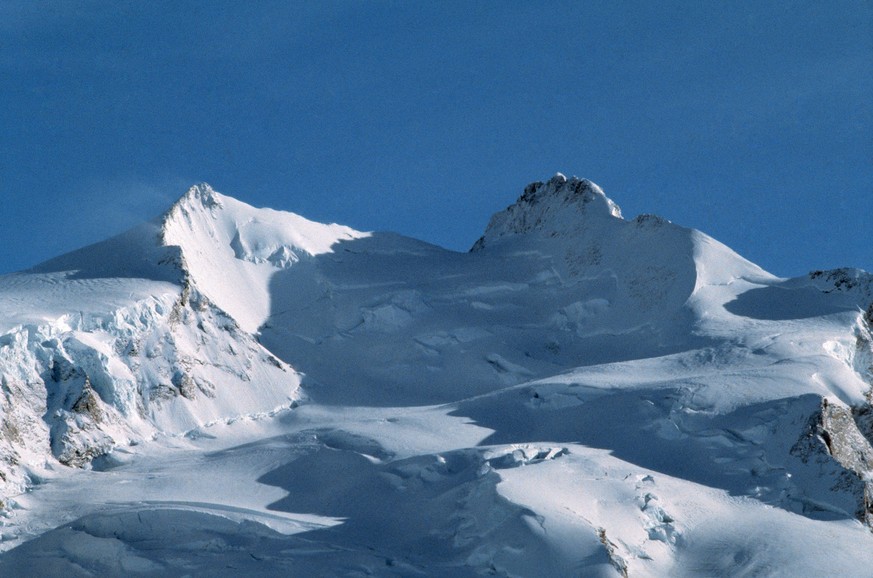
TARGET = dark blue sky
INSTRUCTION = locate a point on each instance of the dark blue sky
(752, 121)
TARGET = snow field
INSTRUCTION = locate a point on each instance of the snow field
(579, 395)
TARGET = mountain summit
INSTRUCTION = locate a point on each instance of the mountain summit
(558, 206)
(231, 249)
(578, 393)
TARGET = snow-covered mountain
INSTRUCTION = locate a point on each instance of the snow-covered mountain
(580, 394)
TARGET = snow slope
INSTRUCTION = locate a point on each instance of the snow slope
(150, 332)
(231, 249)
(232, 387)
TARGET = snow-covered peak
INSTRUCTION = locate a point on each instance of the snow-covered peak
(253, 234)
(231, 249)
(555, 207)
(202, 194)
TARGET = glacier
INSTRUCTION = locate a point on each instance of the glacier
(229, 388)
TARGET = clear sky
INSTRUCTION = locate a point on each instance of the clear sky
(752, 121)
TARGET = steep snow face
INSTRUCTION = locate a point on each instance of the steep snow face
(718, 264)
(231, 249)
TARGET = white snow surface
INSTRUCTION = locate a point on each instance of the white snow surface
(232, 389)
(232, 249)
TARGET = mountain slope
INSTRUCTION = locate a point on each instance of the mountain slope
(559, 280)
(579, 393)
(152, 331)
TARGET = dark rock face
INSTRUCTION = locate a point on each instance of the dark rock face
(843, 435)
(88, 404)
